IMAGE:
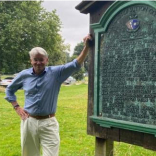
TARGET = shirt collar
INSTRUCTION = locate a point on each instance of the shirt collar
(32, 71)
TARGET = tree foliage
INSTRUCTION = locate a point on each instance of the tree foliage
(24, 25)
(77, 50)
(79, 74)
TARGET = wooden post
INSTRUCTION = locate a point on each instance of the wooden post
(103, 147)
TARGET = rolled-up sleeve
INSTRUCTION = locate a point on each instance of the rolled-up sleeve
(12, 88)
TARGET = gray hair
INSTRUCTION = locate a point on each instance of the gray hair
(37, 50)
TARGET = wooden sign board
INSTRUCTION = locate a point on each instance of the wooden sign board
(125, 67)
(122, 86)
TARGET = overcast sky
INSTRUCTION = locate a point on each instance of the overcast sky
(75, 25)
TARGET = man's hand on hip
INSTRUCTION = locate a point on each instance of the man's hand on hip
(22, 113)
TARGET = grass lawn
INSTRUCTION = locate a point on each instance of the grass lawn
(71, 114)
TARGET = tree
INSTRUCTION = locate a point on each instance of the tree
(79, 74)
(24, 25)
(77, 50)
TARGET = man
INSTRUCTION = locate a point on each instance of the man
(41, 85)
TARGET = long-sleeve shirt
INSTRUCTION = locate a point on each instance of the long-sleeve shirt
(41, 91)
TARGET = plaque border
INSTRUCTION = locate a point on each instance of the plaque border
(99, 28)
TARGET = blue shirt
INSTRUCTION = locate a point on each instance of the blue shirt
(41, 91)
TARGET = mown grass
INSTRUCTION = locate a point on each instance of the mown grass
(71, 114)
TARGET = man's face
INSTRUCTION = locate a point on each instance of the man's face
(38, 62)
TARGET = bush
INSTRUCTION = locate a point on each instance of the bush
(79, 74)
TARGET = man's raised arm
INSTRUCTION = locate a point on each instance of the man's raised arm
(83, 54)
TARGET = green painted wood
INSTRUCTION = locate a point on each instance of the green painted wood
(113, 10)
(138, 111)
(96, 73)
(108, 123)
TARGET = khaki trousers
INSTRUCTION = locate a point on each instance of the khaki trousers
(36, 133)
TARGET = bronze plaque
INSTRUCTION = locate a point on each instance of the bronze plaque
(127, 68)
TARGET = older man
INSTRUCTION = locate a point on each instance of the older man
(41, 84)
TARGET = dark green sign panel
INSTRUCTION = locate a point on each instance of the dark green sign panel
(125, 67)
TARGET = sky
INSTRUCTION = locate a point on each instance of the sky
(75, 25)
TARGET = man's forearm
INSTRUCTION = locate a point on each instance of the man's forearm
(81, 58)
(83, 55)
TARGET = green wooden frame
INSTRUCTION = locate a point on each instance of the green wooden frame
(99, 28)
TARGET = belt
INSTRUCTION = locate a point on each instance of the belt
(42, 117)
